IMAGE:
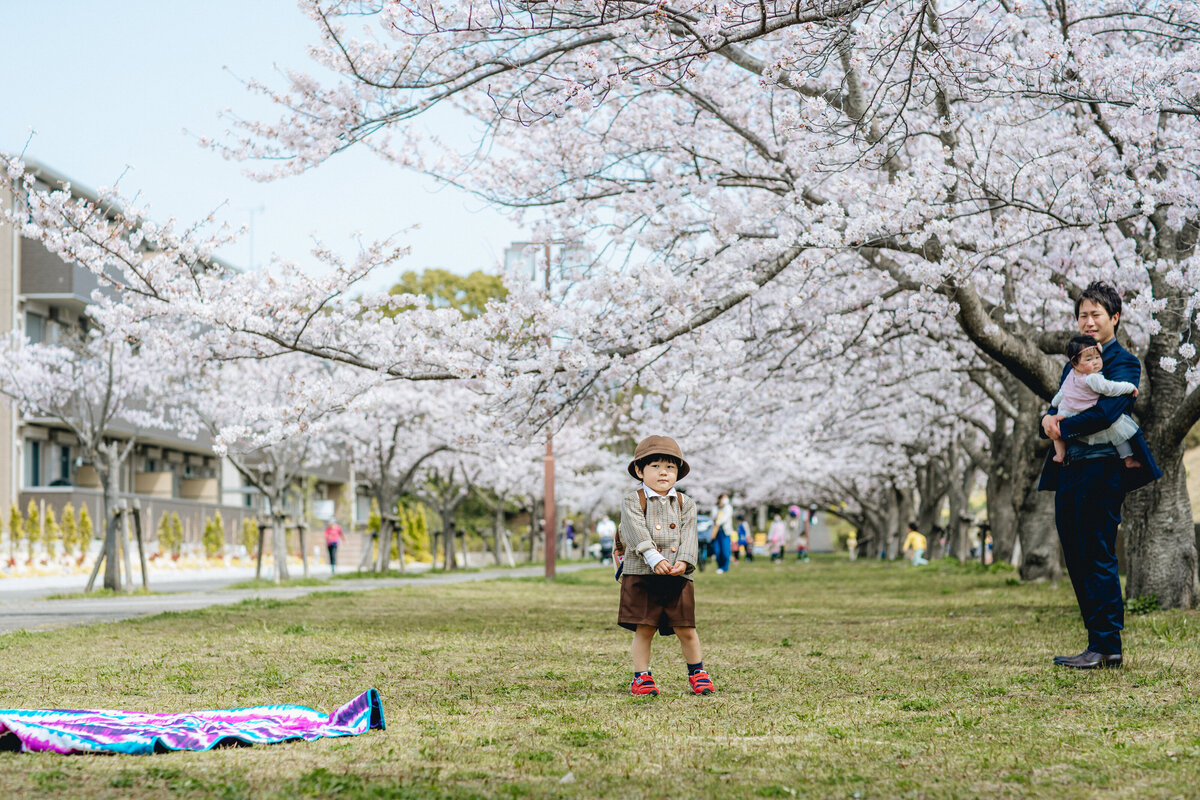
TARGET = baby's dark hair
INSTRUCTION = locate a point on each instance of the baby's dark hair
(642, 463)
(1078, 344)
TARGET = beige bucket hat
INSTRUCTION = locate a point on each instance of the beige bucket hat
(659, 446)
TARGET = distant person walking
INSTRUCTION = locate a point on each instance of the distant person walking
(606, 534)
(704, 536)
(777, 539)
(795, 526)
(722, 532)
(333, 538)
(852, 545)
(745, 539)
(914, 546)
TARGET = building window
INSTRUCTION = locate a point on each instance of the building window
(35, 327)
(33, 463)
(64, 464)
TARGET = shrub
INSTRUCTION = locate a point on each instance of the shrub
(86, 531)
(164, 533)
(214, 536)
(250, 535)
(1146, 604)
(70, 531)
(415, 529)
(33, 529)
(52, 533)
(176, 533)
(374, 520)
(16, 531)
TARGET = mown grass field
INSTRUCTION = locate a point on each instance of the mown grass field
(862, 680)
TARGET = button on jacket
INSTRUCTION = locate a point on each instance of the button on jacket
(662, 528)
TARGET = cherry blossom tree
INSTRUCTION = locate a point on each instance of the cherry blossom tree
(998, 154)
(104, 390)
(391, 431)
(271, 451)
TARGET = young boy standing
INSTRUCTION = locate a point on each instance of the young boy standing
(658, 529)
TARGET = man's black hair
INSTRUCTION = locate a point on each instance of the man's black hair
(1104, 294)
(1078, 344)
(642, 463)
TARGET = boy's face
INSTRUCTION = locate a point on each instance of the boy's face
(660, 475)
(1089, 361)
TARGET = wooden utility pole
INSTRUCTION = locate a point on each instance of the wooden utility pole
(550, 537)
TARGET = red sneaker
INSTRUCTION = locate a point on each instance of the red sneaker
(643, 684)
(701, 683)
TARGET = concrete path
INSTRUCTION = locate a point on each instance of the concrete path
(25, 607)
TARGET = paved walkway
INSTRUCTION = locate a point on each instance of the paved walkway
(23, 603)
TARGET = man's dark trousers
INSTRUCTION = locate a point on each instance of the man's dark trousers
(1087, 510)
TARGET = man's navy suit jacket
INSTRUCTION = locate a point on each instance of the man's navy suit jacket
(1119, 365)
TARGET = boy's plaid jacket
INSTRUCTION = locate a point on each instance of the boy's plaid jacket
(663, 527)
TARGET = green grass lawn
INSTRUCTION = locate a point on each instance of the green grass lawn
(862, 680)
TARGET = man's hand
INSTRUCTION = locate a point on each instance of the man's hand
(1050, 425)
(662, 568)
(679, 568)
(1135, 392)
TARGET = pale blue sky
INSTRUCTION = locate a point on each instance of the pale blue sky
(106, 85)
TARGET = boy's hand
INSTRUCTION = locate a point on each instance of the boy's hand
(679, 568)
(1135, 391)
(662, 568)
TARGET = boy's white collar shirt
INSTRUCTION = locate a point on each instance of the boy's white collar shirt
(651, 493)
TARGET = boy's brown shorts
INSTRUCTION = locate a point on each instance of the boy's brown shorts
(664, 601)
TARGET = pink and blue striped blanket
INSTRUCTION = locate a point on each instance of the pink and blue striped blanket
(60, 731)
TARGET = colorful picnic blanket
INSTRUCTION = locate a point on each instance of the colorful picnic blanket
(59, 731)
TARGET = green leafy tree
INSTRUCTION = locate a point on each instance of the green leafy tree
(33, 529)
(70, 531)
(468, 294)
(52, 534)
(16, 532)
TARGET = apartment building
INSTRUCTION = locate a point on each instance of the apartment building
(41, 461)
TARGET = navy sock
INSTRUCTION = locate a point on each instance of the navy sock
(694, 668)
(637, 674)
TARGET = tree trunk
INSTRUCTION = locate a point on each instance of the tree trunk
(892, 524)
(533, 529)
(1001, 491)
(1159, 534)
(448, 534)
(957, 530)
(303, 548)
(400, 556)
(383, 559)
(904, 515)
(497, 524)
(931, 495)
(112, 568)
(279, 543)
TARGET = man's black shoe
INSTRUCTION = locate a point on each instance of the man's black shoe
(1089, 659)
